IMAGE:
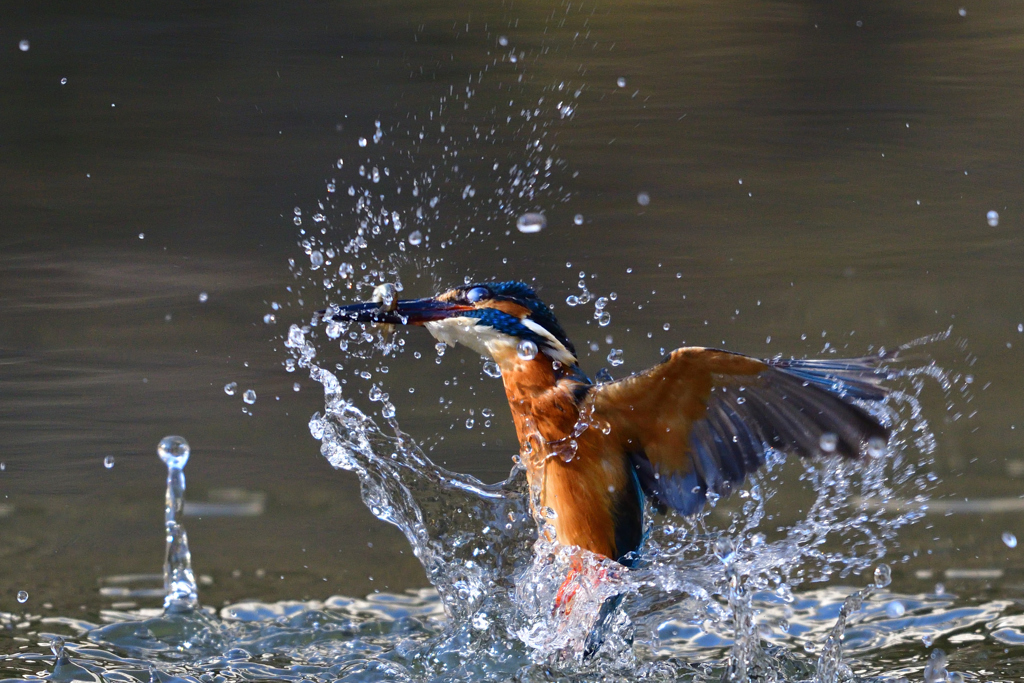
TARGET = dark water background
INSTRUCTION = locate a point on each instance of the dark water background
(871, 139)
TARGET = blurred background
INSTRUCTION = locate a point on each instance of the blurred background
(785, 177)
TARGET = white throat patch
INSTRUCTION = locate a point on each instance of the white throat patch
(491, 343)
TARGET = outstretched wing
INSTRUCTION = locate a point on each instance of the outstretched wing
(703, 418)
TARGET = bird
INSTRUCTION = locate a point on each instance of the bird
(691, 427)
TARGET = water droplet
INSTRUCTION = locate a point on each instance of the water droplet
(491, 369)
(23, 46)
(615, 357)
(203, 297)
(503, 41)
(531, 222)
(316, 259)
(230, 388)
(883, 576)
(481, 622)
(621, 82)
(415, 238)
(1009, 539)
(108, 461)
(296, 337)
(63, 81)
(296, 387)
(666, 327)
(57, 648)
(828, 442)
(724, 548)
(270, 319)
(23, 595)
(362, 142)
(346, 270)
(249, 396)
(387, 411)
(174, 451)
(526, 349)
(935, 670)
(895, 609)
(142, 235)
(604, 319)
(643, 199)
(877, 447)
(962, 12)
(578, 219)
(469, 423)
(993, 218)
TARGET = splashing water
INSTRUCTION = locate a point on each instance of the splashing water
(179, 580)
(498, 580)
(714, 598)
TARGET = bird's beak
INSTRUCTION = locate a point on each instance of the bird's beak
(407, 312)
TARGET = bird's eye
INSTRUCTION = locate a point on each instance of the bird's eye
(477, 294)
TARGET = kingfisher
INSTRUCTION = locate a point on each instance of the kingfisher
(693, 426)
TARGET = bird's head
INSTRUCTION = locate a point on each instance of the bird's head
(499, 320)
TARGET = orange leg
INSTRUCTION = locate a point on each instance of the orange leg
(567, 591)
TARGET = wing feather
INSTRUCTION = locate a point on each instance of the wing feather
(704, 419)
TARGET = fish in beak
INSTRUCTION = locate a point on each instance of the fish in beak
(384, 309)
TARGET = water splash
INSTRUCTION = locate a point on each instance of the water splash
(465, 533)
(182, 595)
(497, 576)
(704, 606)
(707, 570)
(830, 667)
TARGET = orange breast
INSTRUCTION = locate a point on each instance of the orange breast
(579, 484)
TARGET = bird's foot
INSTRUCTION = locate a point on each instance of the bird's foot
(574, 580)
